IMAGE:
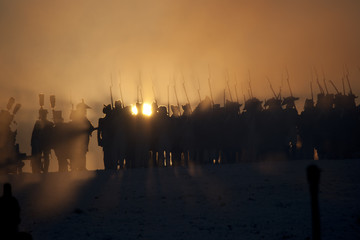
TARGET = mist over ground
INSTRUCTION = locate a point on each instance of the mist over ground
(259, 200)
(76, 50)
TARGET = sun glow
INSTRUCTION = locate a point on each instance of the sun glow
(147, 109)
(134, 110)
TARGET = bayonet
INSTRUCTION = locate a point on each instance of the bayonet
(176, 96)
(250, 89)
(227, 83)
(288, 81)
(168, 92)
(187, 97)
(236, 94)
(337, 91)
(317, 80)
(111, 95)
(271, 88)
(311, 88)
(10, 103)
(120, 89)
(153, 89)
(347, 79)
(211, 95)
(324, 80)
(198, 90)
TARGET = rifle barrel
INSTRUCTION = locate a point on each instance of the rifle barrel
(337, 91)
(271, 88)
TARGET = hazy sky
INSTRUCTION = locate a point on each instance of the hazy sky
(72, 48)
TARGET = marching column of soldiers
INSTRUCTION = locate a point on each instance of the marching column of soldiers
(175, 135)
(329, 129)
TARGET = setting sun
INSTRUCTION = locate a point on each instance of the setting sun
(134, 110)
(147, 109)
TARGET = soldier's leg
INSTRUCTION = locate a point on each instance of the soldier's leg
(36, 163)
(107, 158)
(35, 160)
(62, 161)
(113, 158)
(46, 161)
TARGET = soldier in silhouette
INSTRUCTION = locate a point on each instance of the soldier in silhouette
(105, 136)
(60, 141)
(291, 121)
(81, 129)
(231, 131)
(120, 139)
(9, 152)
(161, 136)
(307, 129)
(345, 134)
(252, 116)
(272, 128)
(10, 216)
(324, 125)
(175, 132)
(40, 143)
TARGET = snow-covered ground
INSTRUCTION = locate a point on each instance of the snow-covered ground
(262, 200)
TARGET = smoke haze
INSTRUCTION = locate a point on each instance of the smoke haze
(74, 48)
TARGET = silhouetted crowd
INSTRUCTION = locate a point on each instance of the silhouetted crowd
(177, 135)
(68, 140)
(10, 157)
(328, 129)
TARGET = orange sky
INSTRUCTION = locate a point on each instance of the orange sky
(71, 48)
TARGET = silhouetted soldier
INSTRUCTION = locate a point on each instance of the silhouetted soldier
(105, 136)
(176, 111)
(273, 139)
(126, 137)
(161, 135)
(197, 133)
(120, 125)
(81, 129)
(10, 216)
(232, 130)
(291, 121)
(142, 137)
(218, 133)
(252, 119)
(187, 110)
(41, 143)
(60, 141)
(307, 129)
(175, 133)
(324, 125)
(345, 134)
(9, 151)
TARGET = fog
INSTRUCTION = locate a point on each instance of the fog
(78, 49)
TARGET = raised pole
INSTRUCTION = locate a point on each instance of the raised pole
(120, 89)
